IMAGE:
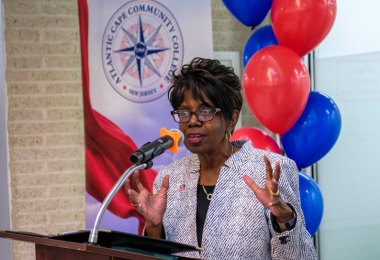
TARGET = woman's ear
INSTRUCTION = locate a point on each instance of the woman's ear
(233, 121)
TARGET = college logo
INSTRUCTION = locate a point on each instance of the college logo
(142, 46)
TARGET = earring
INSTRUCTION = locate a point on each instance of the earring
(228, 136)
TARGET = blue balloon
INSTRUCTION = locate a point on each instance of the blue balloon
(311, 203)
(263, 37)
(315, 132)
(249, 12)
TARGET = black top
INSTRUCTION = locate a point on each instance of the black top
(202, 207)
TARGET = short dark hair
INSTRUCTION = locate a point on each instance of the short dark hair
(217, 81)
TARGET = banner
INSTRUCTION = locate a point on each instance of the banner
(129, 51)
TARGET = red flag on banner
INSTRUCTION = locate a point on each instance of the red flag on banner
(107, 147)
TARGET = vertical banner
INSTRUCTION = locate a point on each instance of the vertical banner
(129, 51)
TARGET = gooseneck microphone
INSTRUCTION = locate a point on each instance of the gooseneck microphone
(169, 140)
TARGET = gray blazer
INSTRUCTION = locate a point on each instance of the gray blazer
(237, 225)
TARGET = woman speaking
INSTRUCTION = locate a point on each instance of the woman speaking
(233, 200)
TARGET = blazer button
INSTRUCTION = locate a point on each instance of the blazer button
(284, 239)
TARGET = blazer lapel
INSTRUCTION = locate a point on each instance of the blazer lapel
(188, 225)
(193, 178)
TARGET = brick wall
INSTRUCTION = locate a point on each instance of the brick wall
(45, 119)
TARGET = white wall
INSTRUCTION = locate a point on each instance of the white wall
(355, 31)
(348, 70)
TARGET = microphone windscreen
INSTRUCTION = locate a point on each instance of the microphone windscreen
(177, 136)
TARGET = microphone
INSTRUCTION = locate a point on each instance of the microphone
(169, 140)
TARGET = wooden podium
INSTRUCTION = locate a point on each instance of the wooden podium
(49, 249)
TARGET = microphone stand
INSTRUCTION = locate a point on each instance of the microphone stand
(93, 238)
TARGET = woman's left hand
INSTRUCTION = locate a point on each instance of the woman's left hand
(268, 195)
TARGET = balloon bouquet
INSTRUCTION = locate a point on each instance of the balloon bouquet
(276, 87)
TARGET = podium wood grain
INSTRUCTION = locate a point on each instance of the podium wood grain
(50, 249)
(49, 253)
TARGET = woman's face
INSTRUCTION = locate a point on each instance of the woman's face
(202, 137)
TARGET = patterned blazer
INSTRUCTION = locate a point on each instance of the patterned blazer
(237, 225)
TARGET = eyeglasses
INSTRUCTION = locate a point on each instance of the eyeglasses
(203, 114)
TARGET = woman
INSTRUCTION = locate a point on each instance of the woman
(225, 197)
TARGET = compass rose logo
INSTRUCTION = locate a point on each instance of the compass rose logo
(141, 51)
(142, 46)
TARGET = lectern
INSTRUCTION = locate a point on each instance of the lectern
(52, 249)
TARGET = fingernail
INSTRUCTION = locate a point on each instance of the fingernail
(275, 181)
(128, 191)
(271, 204)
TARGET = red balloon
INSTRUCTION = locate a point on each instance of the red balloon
(276, 87)
(260, 139)
(302, 24)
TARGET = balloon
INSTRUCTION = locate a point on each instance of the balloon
(302, 24)
(260, 139)
(315, 132)
(311, 202)
(276, 87)
(249, 12)
(263, 37)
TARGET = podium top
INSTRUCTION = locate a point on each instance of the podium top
(113, 239)
(41, 240)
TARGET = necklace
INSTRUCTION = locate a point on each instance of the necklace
(209, 195)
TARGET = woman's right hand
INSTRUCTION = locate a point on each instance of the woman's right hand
(151, 206)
